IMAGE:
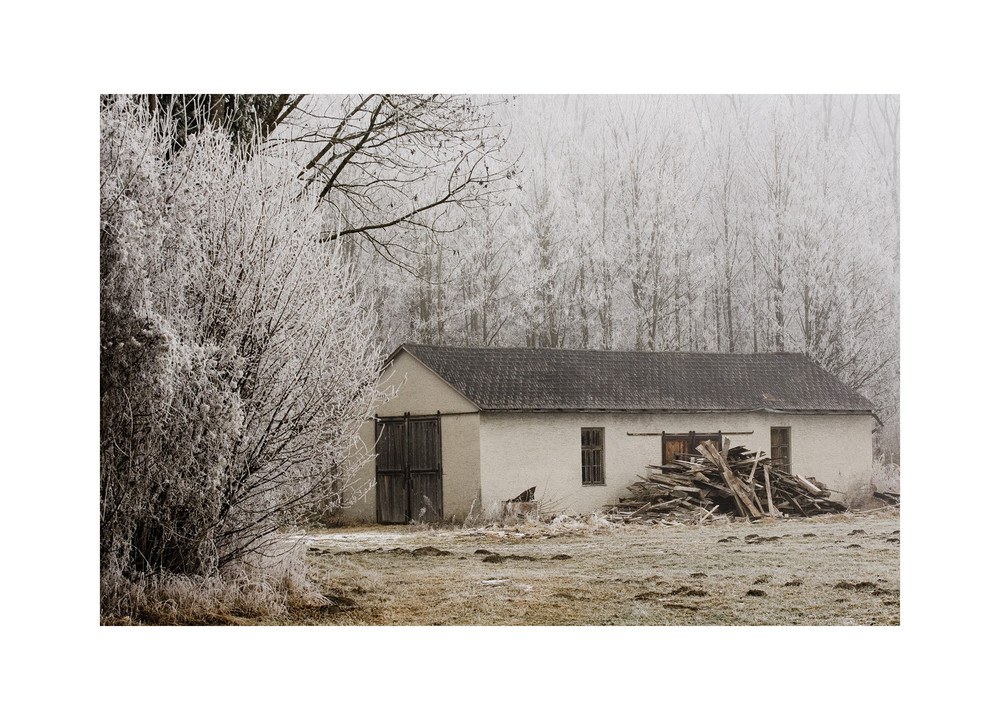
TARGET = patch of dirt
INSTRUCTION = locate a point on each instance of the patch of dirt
(692, 592)
(860, 586)
(755, 539)
(497, 558)
(679, 606)
(429, 550)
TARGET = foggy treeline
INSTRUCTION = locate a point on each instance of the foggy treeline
(693, 223)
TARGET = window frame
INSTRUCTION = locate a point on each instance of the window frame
(691, 440)
(592, 472)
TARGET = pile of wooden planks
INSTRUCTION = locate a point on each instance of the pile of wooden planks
(716, 483)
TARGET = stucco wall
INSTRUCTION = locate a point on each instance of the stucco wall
(521, 450)
(421, 392)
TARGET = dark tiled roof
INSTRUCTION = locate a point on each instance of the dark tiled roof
(547, 379)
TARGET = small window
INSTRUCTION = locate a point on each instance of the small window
(781, 449)
(592, 441)
(686, 444)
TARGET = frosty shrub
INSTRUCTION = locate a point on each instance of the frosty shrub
(885, 474)
(237, 364)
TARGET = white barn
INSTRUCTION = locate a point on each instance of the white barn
(470, 428)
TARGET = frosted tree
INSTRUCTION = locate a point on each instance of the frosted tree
(386, 168)
(237, 363)
(773, 150)
(822, 277)
(491, 287)
(246, 119)
(725, 213)
(546, 252)
(656, 198)
(430, 295)
(599, 225)
(541, 263)
(882, 147)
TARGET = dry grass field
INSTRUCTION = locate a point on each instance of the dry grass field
(829, 570)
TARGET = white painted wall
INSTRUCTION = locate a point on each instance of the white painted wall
(521, 450)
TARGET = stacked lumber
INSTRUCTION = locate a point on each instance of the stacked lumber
(716, 483)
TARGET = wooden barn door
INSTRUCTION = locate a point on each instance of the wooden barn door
(390, 471)
(408, 470)
(423, 444)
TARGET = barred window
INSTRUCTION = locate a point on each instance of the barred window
(592, 442)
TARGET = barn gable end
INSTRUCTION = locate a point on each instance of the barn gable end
(423, 395)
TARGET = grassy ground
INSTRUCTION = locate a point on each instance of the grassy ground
(831, 570)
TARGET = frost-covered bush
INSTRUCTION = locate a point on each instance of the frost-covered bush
(236, 363)
(885, 475)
